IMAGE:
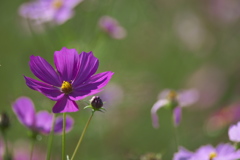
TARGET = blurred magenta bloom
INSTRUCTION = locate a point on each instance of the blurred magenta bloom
(41, 121)
(208, 152)
(73, 80)
(180, 99)
(226, 11)
(211, 83)
(234, 132)
(223, 117)
(41, 11)
(113, 95)
(190, 31)
(182, 154)
(112, 27)
(21, 151)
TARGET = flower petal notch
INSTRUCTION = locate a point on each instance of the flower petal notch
(73, 79)
(40, 122)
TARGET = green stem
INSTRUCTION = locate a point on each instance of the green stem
(81, 137)
(176, 137)
(63, 136)
(5, 143)
(50, 139)
(32, 149)
(175, 132)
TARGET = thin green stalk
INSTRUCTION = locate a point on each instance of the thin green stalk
(63, 136)
(32, 149)
(50, 139)
(176, 137)
(5, 143)
(82, 135)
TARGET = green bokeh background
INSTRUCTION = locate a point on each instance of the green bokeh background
(151, 58)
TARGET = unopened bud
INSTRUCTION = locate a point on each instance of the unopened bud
(4, 121)
(96, 102)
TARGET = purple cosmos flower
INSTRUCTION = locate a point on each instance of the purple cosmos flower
(73, 80)
(208, 152)
(112, 27)
(42, 121)
(41, 11)
(176, 100)
(234, 132)
(182, 154)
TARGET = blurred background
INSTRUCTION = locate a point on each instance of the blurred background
(167, 45)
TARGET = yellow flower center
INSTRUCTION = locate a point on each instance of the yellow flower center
(66, 87)
(57, 4)
(172, 95)
(212, 155)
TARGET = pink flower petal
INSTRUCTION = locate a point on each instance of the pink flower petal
(23, 107)
(177, 115)
(65, 105)
(59, 124)
(49, 91)
(44, 71)
(66, 62)
(63, 15)
(96, 82)
(88, 66)
(159, 104)
(78, 95)
(44, 122)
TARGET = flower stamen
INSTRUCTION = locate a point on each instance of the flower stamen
(57, 4)
(66, 87)
(172, 95)
(212, 155)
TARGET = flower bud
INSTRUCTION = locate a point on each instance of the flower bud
(4, 121)
(96, 102)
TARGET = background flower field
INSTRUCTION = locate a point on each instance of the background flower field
(168, 45)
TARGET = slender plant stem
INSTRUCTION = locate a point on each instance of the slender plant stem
(50, 139)
(176, 137)
(5, 143)
(175, 132)
(81, 137)
(32, 149)
(63, 136)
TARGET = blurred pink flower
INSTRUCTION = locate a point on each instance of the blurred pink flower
(21, 151)
(210, 83)
(41, 11)
(234, 132)
(112, 95)
(112, 27)
(223, 117)
(190, 30)
(227, 11)
(176, 100)
(40, 122)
